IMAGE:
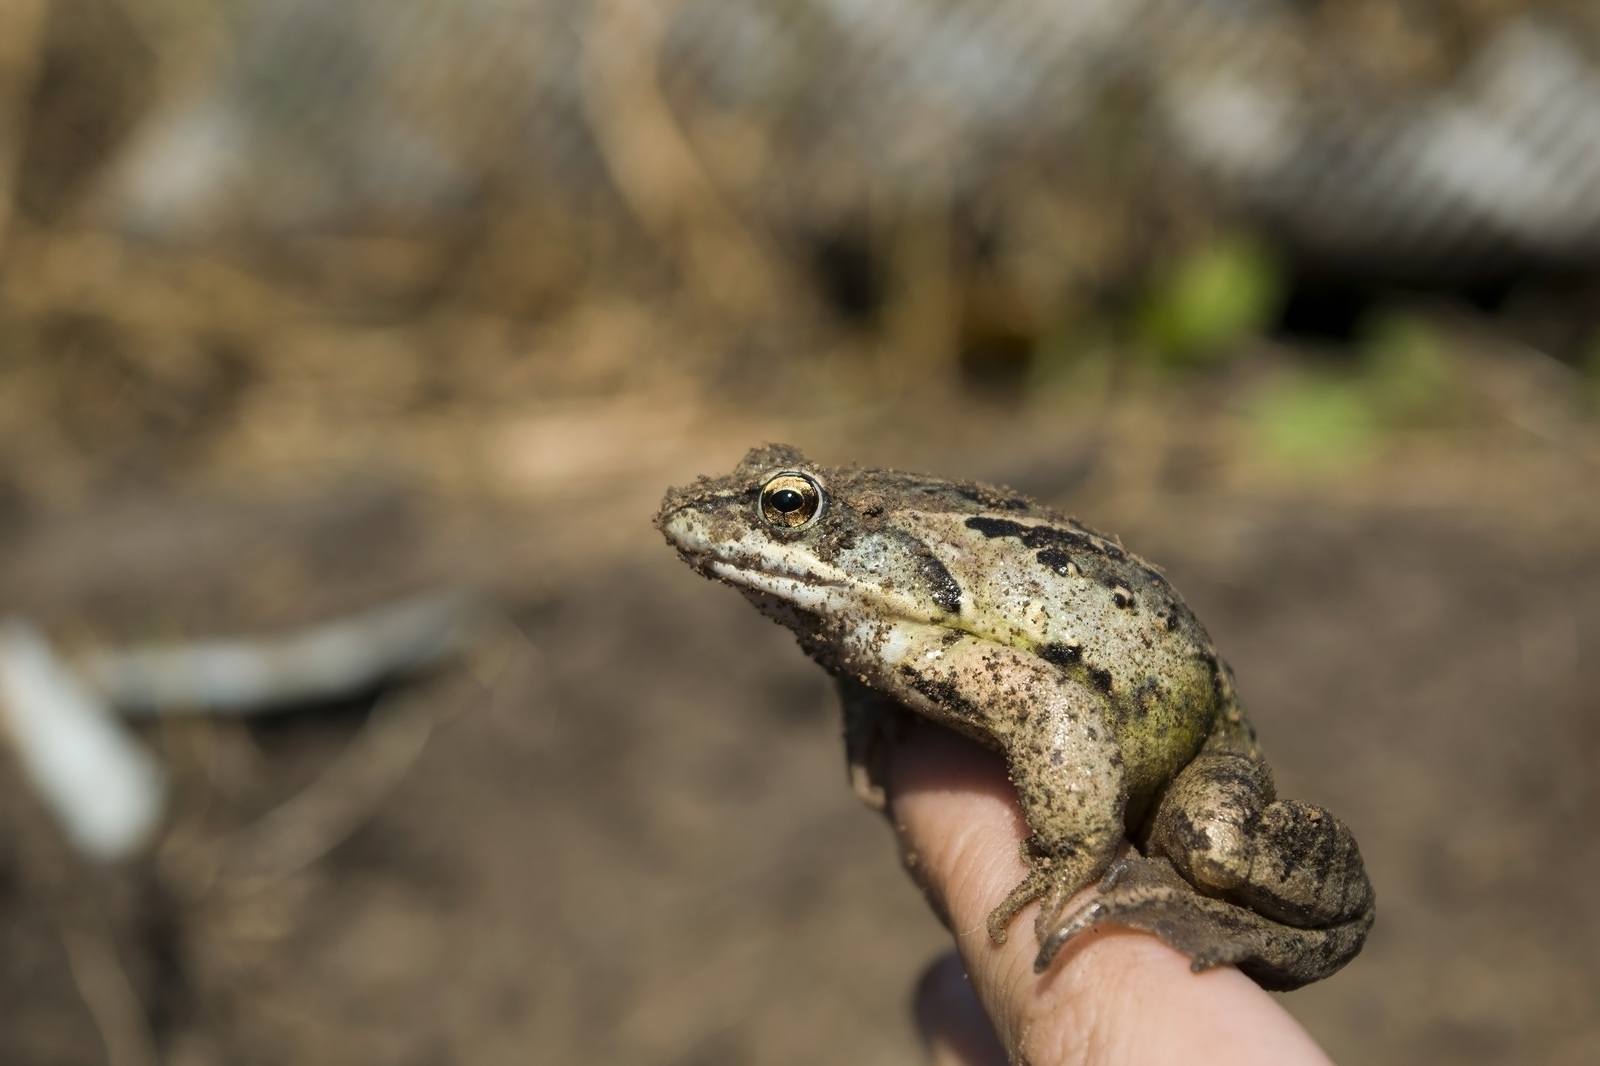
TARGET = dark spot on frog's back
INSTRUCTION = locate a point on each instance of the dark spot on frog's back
(1060, 654)
(933, 577)
(944, 589)
(1101, 679)
(1146, 697)
(1057, 560)
(996, 527)
(1045, 537)
(943, 693)
(1120, 593)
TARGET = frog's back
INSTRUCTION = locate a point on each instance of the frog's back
(1032, 577)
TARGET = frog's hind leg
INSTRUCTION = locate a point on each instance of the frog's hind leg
(1222, 827)
(1148, 894)
(1234, 875)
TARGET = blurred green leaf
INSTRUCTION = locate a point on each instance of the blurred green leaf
(1214, 298)
(1407, 369)
(1312, 420)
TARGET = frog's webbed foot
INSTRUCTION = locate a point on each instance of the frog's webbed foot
(1148, 894)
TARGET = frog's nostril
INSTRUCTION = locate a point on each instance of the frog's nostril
(684, 529)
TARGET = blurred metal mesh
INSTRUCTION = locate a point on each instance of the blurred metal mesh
(1436, 136)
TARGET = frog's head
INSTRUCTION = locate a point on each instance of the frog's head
(809, 543)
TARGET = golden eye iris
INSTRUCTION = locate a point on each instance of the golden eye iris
(791, 500)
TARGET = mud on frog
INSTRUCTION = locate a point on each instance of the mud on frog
(1035, 635)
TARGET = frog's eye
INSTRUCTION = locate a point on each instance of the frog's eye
(791, 500)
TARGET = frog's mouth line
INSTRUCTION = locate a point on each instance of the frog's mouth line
(752, 575)
(813, 594)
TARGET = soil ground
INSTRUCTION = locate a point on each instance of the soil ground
(636, 844)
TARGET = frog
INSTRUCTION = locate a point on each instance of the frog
(1136, 768)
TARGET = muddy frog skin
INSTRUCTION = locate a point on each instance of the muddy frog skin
(1035, 635)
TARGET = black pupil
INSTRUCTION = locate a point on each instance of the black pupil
(786, 500)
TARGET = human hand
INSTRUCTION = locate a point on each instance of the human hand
(1112, 996)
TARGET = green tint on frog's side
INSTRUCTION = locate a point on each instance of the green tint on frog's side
(1040, 637)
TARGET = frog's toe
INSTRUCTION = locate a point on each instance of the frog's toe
(1124, 864)
(1051, 942)
(1031, 888)
(867, 789)
(1219, 955)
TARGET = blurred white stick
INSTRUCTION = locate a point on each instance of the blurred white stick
(322, 662)
(103, 787)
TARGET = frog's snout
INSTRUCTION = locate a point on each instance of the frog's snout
(685, 528)
(703, 534)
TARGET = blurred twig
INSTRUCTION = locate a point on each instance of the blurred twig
(21, 42)
(307, 826)
(311, 823)
(106, 990)
(65, 887)
(654, 166)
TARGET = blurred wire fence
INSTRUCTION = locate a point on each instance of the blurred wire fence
(1447, 139)
(1440, 136)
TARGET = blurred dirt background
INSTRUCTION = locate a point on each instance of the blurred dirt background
(629, 839)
